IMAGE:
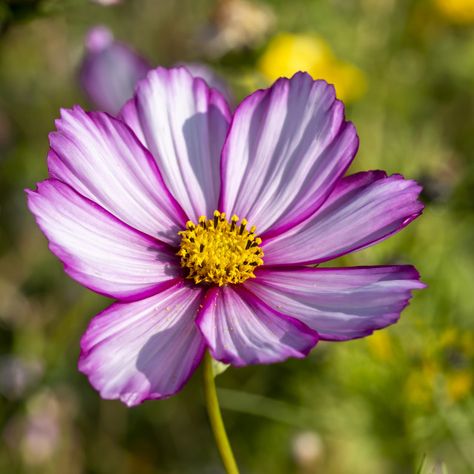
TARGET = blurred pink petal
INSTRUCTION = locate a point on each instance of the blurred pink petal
(107, 3)
(110, 70)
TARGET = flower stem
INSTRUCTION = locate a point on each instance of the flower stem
(215, 418)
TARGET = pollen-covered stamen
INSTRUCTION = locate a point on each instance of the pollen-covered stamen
(218, 251)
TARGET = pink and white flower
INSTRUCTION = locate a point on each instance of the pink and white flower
(123, 210)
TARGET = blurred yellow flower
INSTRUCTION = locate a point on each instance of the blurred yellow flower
(420, 384)
(380, 345)
(457, 11)
(459, 385)
(288, 53)
(449, 337)
(461, 339)
(448, 364)
(467, 343)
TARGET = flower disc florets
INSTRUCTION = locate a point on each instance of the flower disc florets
(218, 251)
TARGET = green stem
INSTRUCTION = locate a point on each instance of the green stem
(215, 417)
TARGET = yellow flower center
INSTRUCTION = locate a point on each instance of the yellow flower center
(218, 251)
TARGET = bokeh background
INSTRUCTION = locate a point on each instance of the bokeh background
(400, 401)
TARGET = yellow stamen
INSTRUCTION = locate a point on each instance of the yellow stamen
(220, 252)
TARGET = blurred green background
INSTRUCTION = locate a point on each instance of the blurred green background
(400, 401)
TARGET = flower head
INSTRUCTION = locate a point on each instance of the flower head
(218, 251)
(202, 224)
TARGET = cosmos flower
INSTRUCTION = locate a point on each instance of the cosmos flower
(111, 69)
(204, 227)
(288, 53)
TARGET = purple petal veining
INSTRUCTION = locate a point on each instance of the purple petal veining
(363, 209)
(183, 123)
(287, 147)
(101, 158)
(338, 303)
(97, 249)
(144, 350)
(241, 330)
(120, 189)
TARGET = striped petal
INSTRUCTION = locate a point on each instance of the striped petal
(102, 159)
(365, 208)
(287, 146)
(144, 350)
(240, 329)
(183, 123)
(338, 303)
(99, 251)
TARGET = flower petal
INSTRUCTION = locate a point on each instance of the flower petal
(184, 124)
(241, 330)
(144, 350)
(363, 209)
(97, 249)
(101, 158)
(338, 303)
(109, 70)
(287, 146)
(212, 79)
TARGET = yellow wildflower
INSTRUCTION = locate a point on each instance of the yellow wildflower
(380, 345)
(449, 363)
(288, 53)
(420, 384)
(456, 11)
(449, 337)
(459, 385)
